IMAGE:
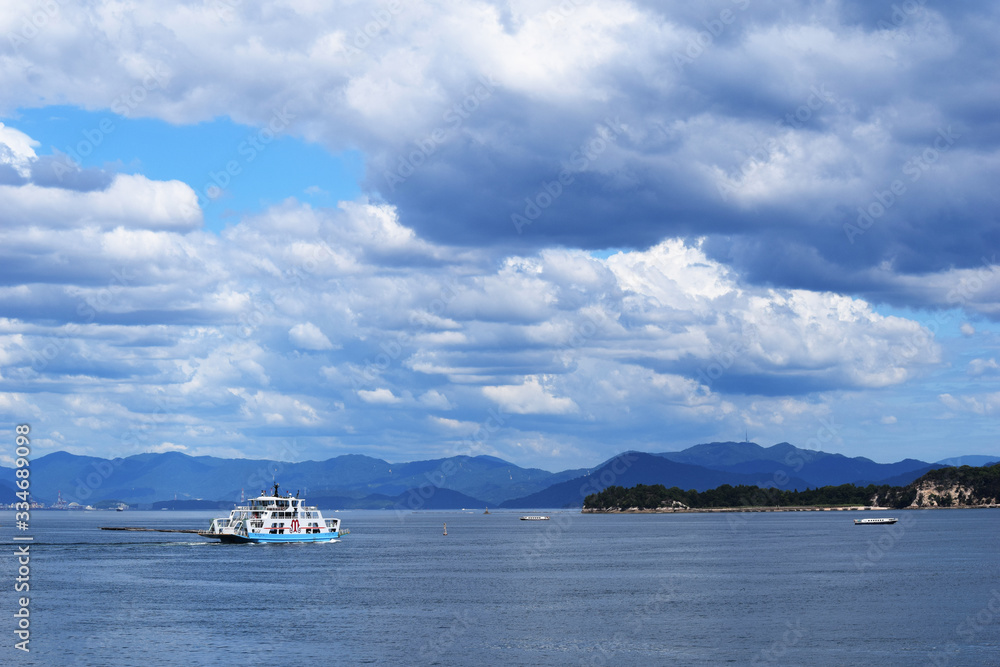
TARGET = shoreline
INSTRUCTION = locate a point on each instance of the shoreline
(811, 508)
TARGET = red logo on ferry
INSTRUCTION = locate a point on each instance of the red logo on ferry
(295, 525)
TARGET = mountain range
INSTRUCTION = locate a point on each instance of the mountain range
(356, 481)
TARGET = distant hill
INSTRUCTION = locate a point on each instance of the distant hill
(633, 468)
(411, 500)
(357, 481)
(7, 490)
(149, 478)
(816, 468)
(970, 460)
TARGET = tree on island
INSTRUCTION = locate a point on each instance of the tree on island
(982, 486)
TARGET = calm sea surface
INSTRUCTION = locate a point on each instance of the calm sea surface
(782, 588)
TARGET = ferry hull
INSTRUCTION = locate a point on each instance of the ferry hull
(278, 539)
(254, 538)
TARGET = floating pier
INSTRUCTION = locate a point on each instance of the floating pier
(153, 530)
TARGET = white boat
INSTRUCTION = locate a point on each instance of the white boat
(274, 519)
(865, 522)
(534, 517)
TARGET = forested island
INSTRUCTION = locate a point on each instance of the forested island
(946, 487)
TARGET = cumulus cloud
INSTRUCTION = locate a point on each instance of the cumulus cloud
(981, 367)
(378, 396)
(978, 404)
(17, 151)
(309, 337)
(531, 397)
(213, 330)
(612, 124)
(166, 447)
(129, 200)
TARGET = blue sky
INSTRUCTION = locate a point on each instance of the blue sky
(268, 170)
(548, 232)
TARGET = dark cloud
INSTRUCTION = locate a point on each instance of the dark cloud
(854, 98)
(58, 171)
(11, 176)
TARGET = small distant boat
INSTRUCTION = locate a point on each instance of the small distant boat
(534, 517)
(121, 507)
(865, 522)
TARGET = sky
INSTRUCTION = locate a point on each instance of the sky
(544, 231)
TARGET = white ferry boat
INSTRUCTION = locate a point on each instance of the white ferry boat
(865, 522)
(534, 517)
(274, 519)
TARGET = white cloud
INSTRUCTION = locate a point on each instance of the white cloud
(17, 150)
(528, 398)
(130, 201)
(191, 335)
(308, 336)
(436, 400)
(166, 447)
(978, 404)
(980, 367)
(378, 396)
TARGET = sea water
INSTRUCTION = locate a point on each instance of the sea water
(807, 588)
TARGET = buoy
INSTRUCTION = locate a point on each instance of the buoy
(445, 529)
